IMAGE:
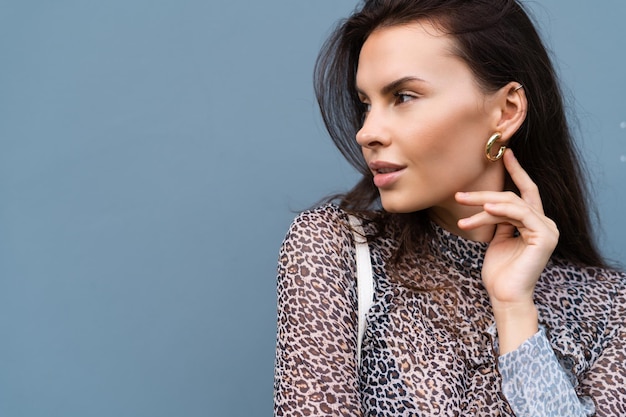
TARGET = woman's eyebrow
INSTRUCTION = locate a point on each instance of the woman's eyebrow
(394, 85)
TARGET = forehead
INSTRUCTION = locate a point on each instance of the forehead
(418, 47)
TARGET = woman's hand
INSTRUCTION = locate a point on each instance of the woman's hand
(519, 251)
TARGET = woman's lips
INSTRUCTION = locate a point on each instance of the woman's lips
(385, 173)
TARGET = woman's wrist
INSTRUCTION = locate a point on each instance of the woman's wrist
(516, 323)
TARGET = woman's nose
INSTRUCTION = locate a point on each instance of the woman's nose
(373, 132)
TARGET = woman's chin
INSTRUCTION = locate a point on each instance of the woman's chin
(399, 207)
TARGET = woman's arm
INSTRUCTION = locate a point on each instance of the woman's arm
(533, 380)
(535, 384)
(521, 246)
(316, 371)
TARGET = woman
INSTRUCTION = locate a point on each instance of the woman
(490, 296)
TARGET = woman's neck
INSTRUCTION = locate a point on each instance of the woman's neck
(447, 220)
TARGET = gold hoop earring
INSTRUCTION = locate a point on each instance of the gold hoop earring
(492, 140)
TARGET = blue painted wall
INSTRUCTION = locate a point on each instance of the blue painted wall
(151, 156)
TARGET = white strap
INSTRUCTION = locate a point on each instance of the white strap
(365, 281)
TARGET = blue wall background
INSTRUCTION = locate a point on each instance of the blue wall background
(151, 156)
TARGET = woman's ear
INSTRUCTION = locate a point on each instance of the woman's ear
(512, 105)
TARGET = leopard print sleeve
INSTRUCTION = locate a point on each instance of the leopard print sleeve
(535, 384)
(315, 369)
(605, 381)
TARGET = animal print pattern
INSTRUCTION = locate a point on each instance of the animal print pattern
(551, 393)
(428, 351)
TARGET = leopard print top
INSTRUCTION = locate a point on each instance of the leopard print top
(427, 352)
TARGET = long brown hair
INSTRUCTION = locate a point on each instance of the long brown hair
(499, 43)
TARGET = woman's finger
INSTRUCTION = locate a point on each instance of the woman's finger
(479, 198)
(484, 218)
(520, 217)
(522, 213)
(528, 189)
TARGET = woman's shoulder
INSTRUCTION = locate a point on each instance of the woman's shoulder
(324, 215)
(327, 224)
(327, 218)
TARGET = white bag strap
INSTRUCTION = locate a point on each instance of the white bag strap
(365, 280)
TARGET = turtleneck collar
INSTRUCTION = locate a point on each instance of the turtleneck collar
(462, 252)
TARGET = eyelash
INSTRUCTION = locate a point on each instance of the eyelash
(401, 97)
(400, 94)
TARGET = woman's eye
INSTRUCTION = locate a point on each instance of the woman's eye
(404, 97)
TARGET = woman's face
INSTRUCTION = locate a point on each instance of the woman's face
(427, 122)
